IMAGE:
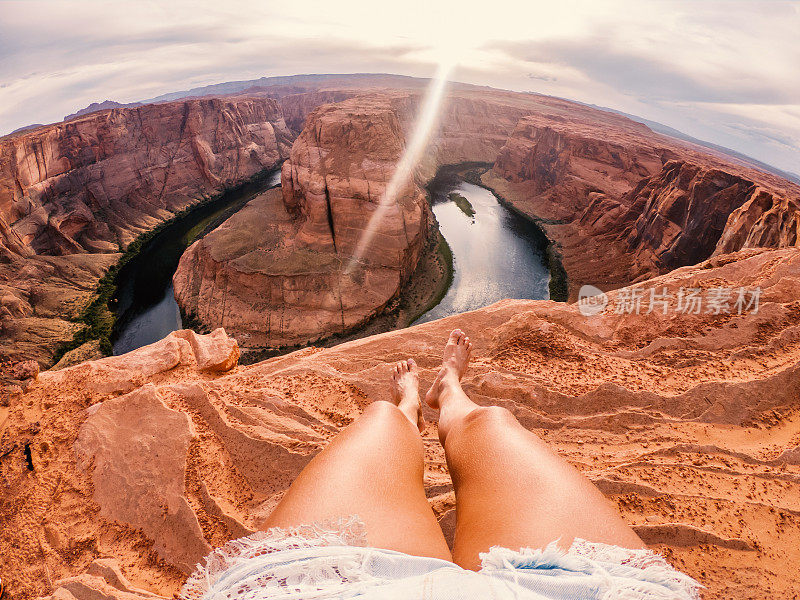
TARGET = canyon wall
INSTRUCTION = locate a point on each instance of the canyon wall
(623, 203)
(93, 184)
(688, 212)
(687, 422)
(75, 194)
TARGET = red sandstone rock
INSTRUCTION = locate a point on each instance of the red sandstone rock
(565, 159)
(132, 166)
(684, 420)
(250, 276)
(213, 352)
(687, 212)
(74, 194)
(136, 448)
(103, 579)
(28, 369)
(763, 220)
(277, 275)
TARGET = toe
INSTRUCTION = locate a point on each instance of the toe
(412, 365)
(454, 335)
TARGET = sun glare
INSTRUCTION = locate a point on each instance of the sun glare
(426, 121)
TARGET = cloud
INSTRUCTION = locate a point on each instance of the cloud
(760, 131)
(650, 75)
(542, 77)
(721, 71)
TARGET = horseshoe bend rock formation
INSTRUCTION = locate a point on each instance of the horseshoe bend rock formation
(279, 272)
(293, 281)
(688, 422)
(74, 194)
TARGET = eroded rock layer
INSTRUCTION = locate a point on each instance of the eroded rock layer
(74, 194)
(90, 185)
(624, 203)
(689, 422)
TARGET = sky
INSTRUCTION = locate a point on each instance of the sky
(725, 72)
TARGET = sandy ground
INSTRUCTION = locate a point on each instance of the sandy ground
(689, 423)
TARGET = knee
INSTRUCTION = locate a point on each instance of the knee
(484, 425)
(387, 424)
(385, 414)
(490, 417)
(381, 410)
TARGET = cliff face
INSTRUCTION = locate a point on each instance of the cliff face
(681, 213)
(763, 220)
(560, 160)
(296, 107)
(72, 195)
(624, 203)
(688, 212)
(686, 421)
(92, 184)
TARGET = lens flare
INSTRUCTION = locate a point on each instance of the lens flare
(419, 140)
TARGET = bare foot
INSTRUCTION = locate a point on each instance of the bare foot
(405, 391)
(454, 364)
(446, 394)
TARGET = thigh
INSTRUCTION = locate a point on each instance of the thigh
(513, 491)
(372, 469)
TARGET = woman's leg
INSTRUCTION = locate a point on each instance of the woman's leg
(511, 489)
(373, 468)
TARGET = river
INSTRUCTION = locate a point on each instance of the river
(496, 253)
(144, 302)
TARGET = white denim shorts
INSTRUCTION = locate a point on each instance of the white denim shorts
(332, 560)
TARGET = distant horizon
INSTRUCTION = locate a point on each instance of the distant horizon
(196, 92)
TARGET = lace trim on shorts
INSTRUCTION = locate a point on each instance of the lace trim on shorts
(330, 559)
(245, 568)
(636, 574)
